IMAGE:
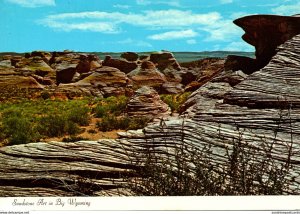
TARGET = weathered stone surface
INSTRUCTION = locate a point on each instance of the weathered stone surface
(147, 75)
(205, 97)
(67, 64)
(5, 64)
(35, 65)
(120, 64)
(215, 116)
(110, 81)
(130, 56)
(65, 72)
(18, 86)
(265, 32)
(274, 86)
(164, 60)
(231, 77)
(147, 103)
(202, 71)
(171, 88)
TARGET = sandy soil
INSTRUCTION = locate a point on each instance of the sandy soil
(96, 135)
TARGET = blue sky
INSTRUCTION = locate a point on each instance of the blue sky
(130, 25)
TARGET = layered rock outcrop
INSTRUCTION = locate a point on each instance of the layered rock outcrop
(221, 115)
(147, 75)
(265, 33)
(146, 102)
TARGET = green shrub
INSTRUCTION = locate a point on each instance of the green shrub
(110, 105)
(137, 123)
(111, 122)
(175, 100)
(100, 111)
(57, 126)
(108, 123)
(18, 129)
(52, 125)
(79, 115)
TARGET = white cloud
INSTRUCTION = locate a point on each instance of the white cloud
(109, 22)
(223, 30)
(174, 35)
(121, 6)
(176, 24)
(83, 26)
(226, 1)
(288, 9)
(174, 3)
(191, 42)
(33, 3)
(239, 46)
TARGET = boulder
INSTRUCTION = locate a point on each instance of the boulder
(110, 81)
(265, 33)
(35, 65)
(120, 64)
(130, 56)
(46, 56)
(147, 75)
(164, 60)
(147, 103)
(202, 71)
(6, 64)
(65, 72)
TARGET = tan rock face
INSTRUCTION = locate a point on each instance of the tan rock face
(109, 81)
(35, 65)
(147, 103)
(147, 75)
(18, 86)
(266, 33)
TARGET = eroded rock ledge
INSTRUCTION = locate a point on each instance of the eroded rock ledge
(265, 33)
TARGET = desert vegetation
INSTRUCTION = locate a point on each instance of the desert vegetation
(26, 121)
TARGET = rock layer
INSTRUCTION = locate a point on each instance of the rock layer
(265, 32)
(147, 103)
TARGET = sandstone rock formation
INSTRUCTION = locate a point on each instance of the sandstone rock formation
(274, 86)
(18, 86)
(164, 60)
(147, 103)
(265, 32)
(103, 82)
(130, 56)
(147, 75)
(120, 64)
(260, 112)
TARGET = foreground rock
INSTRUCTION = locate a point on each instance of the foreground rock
(147, 103)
